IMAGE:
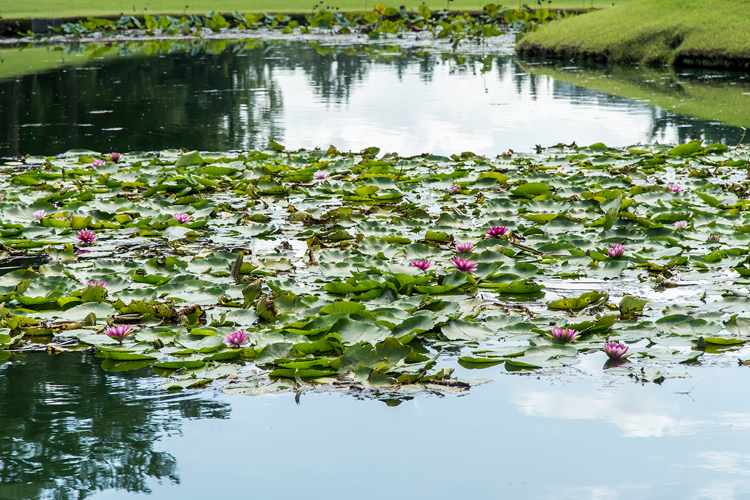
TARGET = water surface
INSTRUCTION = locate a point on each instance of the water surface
(567, 436)
(70, 429)
(229, 96)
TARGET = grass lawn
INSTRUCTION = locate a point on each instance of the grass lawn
(74, 8)
(651, 32)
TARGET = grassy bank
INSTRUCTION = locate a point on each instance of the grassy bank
(676, 32)
(76, 8)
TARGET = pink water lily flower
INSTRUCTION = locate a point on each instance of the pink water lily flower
(713, 237)
(98, 163)
(680, 224)
(182, 218)
(464, 265)
(424, 265)
(237, 338)
(496, 231)
(1, 197)
(615, 350)
(39, 214)
(455, 189)
(320, 174)
(97, 283)
(616, 251)
(118, 332)
(115, 157)
(565, 334)
(465, 247)
(674, 188)
(86, 237)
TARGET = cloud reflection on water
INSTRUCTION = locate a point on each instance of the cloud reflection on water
(635, 418)
(642, 417)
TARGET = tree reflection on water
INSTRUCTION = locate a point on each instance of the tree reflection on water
(218, 95)
(85, 430)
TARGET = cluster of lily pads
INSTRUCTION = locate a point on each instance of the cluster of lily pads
(279, 269)
(382, 20)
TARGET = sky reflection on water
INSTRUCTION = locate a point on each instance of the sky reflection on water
(460, 111)
(565, 437)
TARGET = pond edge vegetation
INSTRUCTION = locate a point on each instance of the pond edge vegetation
(491, 21)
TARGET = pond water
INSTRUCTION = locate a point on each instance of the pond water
(577, 433)
(405, 98)
(87, 433)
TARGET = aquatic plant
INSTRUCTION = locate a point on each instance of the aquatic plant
(496, 231)
(615, 350)
(320, 271)
(424, 265)
(98, 163)
(565, 334)
(680, 224)
(237, 338)
(115, 157)
(97, 283)
(464, 265)
(86, 237)
(182, 218)
(320, 174)
(118, 332)
(615, 251)
(455, 189)
(381, 21)
(674, 188)
(464, 247)
(39, 214)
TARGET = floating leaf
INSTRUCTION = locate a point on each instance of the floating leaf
(519, 287)
(532, 190)
(342, 307)
(631, 306)
(577, 303)
(464, 330)
(724, 341)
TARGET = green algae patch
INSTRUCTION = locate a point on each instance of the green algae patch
(669, 32)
